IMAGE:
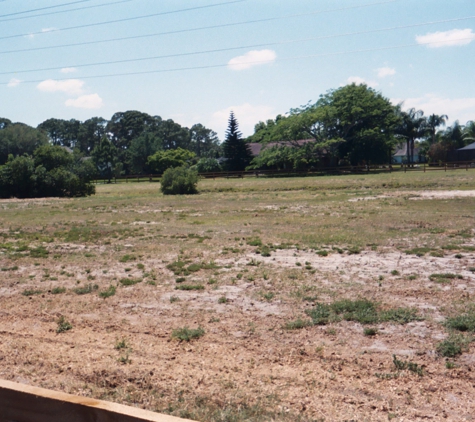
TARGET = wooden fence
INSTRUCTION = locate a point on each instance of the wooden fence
(24, 403)
(341, 170)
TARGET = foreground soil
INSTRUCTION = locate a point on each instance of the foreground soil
(248, 364)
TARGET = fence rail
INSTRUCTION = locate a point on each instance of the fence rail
(24, 403)
(340, 170)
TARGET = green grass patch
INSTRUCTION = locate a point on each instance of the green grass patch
(58, 290)
(39, 252)
(108, 293)
(129, 281)
(63, 325)
(29, 292)
(444, 278)
(190, 287)
(188, 334)
(127, 258)
(86, 289)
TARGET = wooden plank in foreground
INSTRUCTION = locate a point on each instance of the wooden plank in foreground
(24, 403)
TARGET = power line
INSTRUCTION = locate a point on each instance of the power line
(64, 11)
(44, 8)
(219, 50)
(189, 30)
(124, 19)
(311, 56)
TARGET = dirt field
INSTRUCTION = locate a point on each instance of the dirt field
(309, 299)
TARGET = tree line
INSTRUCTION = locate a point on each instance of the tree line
(353, 125)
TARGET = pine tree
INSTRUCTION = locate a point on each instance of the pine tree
(236, 151)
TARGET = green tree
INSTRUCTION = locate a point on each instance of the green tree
(105, 158)
(208, 165)
(434, 121)
(360, 116)
(90, 134)
(469, 132)
(141, 148)
(18, 139)
(204, 142)
(236, 151)
(163, 160)
(411, 127)
(61, 132)
(4, 123)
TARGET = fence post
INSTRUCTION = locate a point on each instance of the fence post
(445, 166)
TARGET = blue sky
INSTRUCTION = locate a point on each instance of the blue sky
(273, 55)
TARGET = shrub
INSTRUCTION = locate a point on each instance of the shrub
(63, 325)
(187, 334)
(129, 281)
(449, 348)
(179, 181)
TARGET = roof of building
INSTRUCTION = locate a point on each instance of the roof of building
(257, 147)
(468, 147)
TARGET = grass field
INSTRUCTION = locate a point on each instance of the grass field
(325, 298)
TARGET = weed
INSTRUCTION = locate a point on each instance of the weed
(299, 264)
(140, 266)
(31, 292)
(264, 251)
(395, 272)
(322, 253)
(127, 258)
(212, 281)
(86, 289)
(180, 279)
(130, 281)
(444, 277)
(174, 299)
(108, 293)
(268, 296)
(370, 332)
(399, 315)
(190, 287)
(63, 325)
(187, 334)
(223, 299)
(459, 256)
(449, 364)
(464, 322)
(320, 314)
(354, 250)
(450, 348)
(39, 252)
(254, 241)
(58, 290)
(418, 251)
(410, 366)
(297, 324)
(121, 344)
(124, 359)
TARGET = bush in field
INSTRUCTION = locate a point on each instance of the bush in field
(208, 165)
(51, 171)
(179, 181)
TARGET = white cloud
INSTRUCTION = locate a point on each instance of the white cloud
(49, 29)
(462, 109)
(14, 82)
(246, 114)
(251, 59)
(360, 81)
(69, 86)
(68, 70)
(383, 72)
(91, 101)
(454, 37)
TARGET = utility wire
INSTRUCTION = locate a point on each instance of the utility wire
(311, 56)
(219, 50)
(124, 19)
(64, 11)
(44, 8)
(187, 30)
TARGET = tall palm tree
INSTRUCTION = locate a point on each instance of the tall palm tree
(433, 122)
(412, 126)
(468, 133)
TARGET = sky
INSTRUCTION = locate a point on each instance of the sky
(194, 61)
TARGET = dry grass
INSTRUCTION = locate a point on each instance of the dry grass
(227, 261)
